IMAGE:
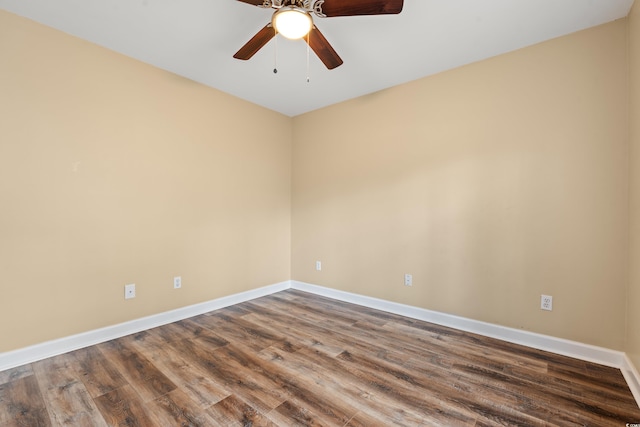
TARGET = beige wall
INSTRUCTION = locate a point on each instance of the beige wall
(115, 172)
(633, 322)
(492, 184)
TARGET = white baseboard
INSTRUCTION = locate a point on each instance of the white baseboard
(47, 349)
(561, 346)
(632, 377)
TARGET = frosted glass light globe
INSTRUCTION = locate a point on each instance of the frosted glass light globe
(293, 23)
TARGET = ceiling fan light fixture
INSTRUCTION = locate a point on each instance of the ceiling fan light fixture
(292, 22)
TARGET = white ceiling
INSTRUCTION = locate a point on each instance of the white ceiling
(197, 39)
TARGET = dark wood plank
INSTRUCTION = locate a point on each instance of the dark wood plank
(139, 372)
(230, 374)
(325, 378)
(233, 411)
(356, 313)
(287, 326)
(314, 333)
(124, 408)
(290, 413)
(98, 375)
(234, 328)
(177, 409)
(301, 388)
(21, 404)
(429, 398)
(66, 397)
(187, 376)
(189, 328)
(362, 419)
(15, 373)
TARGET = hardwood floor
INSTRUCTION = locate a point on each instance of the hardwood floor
(295, 359)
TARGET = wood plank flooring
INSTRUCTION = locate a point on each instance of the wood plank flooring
(296, 359)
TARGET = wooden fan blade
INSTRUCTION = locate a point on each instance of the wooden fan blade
(323, 49)
(253, 2)
(333, 8)
(255, 44)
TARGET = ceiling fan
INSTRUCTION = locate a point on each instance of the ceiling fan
(293, 19)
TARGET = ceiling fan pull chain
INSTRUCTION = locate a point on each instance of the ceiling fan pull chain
(308, 37)
(275, 56)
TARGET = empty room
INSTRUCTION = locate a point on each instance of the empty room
(411, 213)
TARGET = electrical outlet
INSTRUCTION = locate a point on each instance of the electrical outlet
(408, 280)
(177, 282)
(130, 291)
(546, 302)
(318, 265)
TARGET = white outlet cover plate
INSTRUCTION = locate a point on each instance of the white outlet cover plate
(177, 282)
(408, 280)
(130, 291)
